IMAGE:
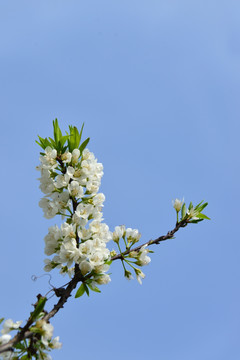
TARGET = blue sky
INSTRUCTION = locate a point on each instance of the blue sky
(157, 85)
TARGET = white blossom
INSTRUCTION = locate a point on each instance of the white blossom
(132, 235)
(75, 156)
(143, 259)
(177, 204)
(75, 189)
(62, 181)
(118, 233)
(9, 325)
(55, 344)
(66, 157)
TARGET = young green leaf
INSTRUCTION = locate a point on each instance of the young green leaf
(183, 211)
(19, 346)
(96, 289)
(86, 289)
(39, 307)
(190, 206)
(57, 132)
(83, 145)
(203, 216)
(80, 291)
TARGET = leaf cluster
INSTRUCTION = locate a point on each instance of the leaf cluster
(62, 143)
(194, 214)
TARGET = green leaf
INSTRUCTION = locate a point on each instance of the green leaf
(1, 320)
(83, 145)
(183, 211)
(203, 216)
(19, 346)
(96, 289)
(74, 138)
(80, 134)
(190, 206)
(43, 142)
(80, 291)
(195, 221)
(200, 209)
(86, 289)
(53, 143)
(63, 140)
(197, 206)
(108, 262)
(57, 132)
(39, 307)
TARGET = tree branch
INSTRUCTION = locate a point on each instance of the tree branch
(25, 333)
(168, 236)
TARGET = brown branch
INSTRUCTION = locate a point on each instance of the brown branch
(25, 333)
(168, 236)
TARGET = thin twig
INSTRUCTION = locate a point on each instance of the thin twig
(25, 333)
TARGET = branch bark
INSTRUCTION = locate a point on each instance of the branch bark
(25, 333)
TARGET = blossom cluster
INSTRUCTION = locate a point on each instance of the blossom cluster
(71, 183)
(70, 180)
(45, 343)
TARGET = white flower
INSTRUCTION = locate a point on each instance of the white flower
(47, 331)
(48, 265)
(75, 189)
(69, 252)
(47, 183)
(84, 211)
(118, 233)
(75, 156)
(10, 325)
(140, 275)
(98, 199)
(49, 159)
(85, 267)
(4, 338)
(128, 275)
(55, 344)
(49, 207)
(66, 157)
(51, 240)
(87, 155)
(103, 279)
(177, 204)
(143, 258)
(62, 181)
(86, 247)
(132, 235)
(68, 230)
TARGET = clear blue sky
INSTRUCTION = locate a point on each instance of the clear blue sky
(157, 84)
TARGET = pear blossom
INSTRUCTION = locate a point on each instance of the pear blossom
(118, 233)
(9, 325)
(132, 235)
(69, 252)
(103, 279)
(177, 204)
(85, 267)
(62, 181)
(143, 259)
(75, 189)
(55, 344)
(75, 156)
(66, 157)
(140, 275)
